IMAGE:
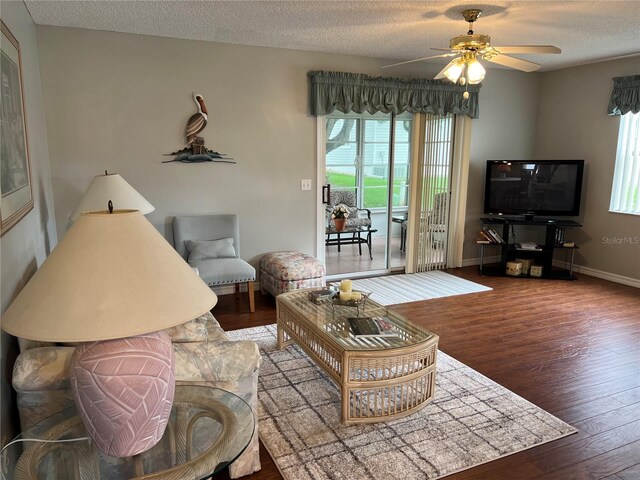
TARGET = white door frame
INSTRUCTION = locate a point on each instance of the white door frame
(321, 142)
(321, 176)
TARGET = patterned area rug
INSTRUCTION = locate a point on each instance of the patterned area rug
(413, 287)
(472, 420)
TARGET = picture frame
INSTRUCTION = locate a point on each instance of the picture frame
(15, 166)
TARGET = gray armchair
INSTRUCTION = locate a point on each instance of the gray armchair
(358, 217)
(211, 243)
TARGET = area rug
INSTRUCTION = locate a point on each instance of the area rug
(413, 287)
(472, 420)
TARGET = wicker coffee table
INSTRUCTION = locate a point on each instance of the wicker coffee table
(380, 378)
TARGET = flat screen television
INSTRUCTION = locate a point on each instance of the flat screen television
(533, 187)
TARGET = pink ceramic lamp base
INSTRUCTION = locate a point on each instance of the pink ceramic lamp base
(124, 391)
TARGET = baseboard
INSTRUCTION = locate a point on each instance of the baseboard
(229, 289)
(592, 272)
(469, 262)
(223, 290)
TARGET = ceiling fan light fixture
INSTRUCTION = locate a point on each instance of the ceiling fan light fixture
(454, 71)
(475, 71)
(466, 69)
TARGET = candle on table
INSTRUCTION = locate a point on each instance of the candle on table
(357, 296)
(345, 286)
(345, 296)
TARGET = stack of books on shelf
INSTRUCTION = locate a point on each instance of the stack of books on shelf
(489, 236)
(561, 242)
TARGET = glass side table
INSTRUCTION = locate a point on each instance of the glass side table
(208, 429)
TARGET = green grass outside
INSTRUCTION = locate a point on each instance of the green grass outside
(375, 189)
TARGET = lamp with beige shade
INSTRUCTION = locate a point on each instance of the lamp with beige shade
(111, 187)
(114, 282)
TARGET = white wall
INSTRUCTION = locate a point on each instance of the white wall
(118, 102)
(27, 244)
(573, 124)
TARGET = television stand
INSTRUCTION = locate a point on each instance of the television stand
(542, 257)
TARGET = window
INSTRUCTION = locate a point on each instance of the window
(357, 155)
(625, 197)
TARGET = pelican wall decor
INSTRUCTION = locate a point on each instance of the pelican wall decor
(198, 120)
(196, 152)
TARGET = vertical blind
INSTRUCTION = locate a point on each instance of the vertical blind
(625, 191)
(433, 187)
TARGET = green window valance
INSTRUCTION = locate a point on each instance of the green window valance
(359, 93)
(625, 96)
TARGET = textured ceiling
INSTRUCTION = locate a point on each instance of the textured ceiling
(586, 31)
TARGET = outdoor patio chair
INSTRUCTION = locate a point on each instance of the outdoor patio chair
(358, 217)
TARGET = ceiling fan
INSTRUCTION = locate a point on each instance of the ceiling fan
(467, 49)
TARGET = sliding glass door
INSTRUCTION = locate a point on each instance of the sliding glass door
(366, 166)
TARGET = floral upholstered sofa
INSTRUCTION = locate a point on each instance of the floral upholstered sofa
(204, 356)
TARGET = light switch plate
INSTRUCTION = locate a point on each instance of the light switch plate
(305, 184)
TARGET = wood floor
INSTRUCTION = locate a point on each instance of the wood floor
(572, 348)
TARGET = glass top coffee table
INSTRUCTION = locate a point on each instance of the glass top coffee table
(380, 377)
(208, 429)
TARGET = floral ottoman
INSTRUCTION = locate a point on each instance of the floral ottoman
(285, 271)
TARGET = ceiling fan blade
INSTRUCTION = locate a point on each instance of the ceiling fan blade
(441, 73)
(441, 49)
(528, 49)
(516, 63)
(420, 59)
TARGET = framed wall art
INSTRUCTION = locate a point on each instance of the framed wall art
(15, 168)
